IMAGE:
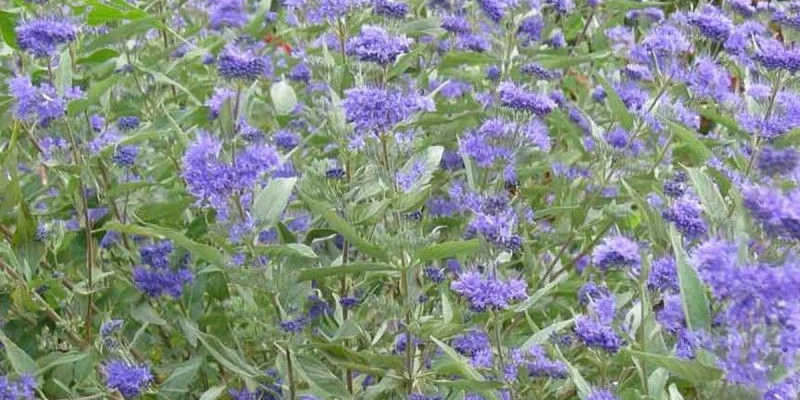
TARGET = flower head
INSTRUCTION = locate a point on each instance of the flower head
(227, 13)
(240, 62)
(488, 292)
(374, 44)
(41, 37)
(616, 252)
(129, 379)
(515, 97)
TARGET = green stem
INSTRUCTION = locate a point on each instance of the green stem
(757, 138)
(290, 374)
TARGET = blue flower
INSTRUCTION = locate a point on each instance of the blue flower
(455, 24)
(41, 103)
(488, 292)
(595, 333)
(227, 13)
(374, 44)
(687, 215)
(41, 37)
(240, 62)
(474, 344)
(711, 23)
(377, 111)
(128, 378)
(663, 275)
(390, 9)
(616, 252)
(23, 389)
(494, 9)
(515, 97)
(601, 394)
(125, 156)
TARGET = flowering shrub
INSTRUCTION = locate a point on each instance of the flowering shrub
(379, 199)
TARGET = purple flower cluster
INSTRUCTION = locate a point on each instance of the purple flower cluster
(22, 389)
(495, 142)
(755, 329)
(129, 379)
(474, 344)
(155, 277)
(516, 97)
(601, 394)
(376, 45)
(211, 179)
(41, 37)
(227, 13)
(536, 363)
(40, 103)
(377, 111)
(488, 292)
(773, 161)
(687, 215)
(712, 23)
(390, 9)
(243, 62)
(616, 252)
(663, 275)
(777, 212)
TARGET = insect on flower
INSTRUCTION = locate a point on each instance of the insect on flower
(277, 41)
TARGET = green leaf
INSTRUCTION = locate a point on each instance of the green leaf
(618, 108)
(343, 227)
(160, 77)
(656, 382)
(123, 33)
(546, 333)
(352, 268)
(180, 378)
(429, 158)
(693, 144)
(98, 56)
(448, 250)
(564, 61)
(102, 13)
(20, 360)
(93, 95)
(29, 251)
(63, 75)
(58, 358)
(693, 293)
(674, 393)
(283, 97)
(7, 23)
(288, 249)
(458, 59)
(714, 115)
(320, 378)
(199, 251)
(625, 5)
(535, 297)
(463, 366)
(226, 356)
(689, 370)
(270, 202)
(145, 313)
(159, 211)
(213, 393)
(422, 27)
(710, 196)
(580, 384)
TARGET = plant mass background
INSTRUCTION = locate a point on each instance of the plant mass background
(378, 199)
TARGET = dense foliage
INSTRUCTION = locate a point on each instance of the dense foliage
(377, 199)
